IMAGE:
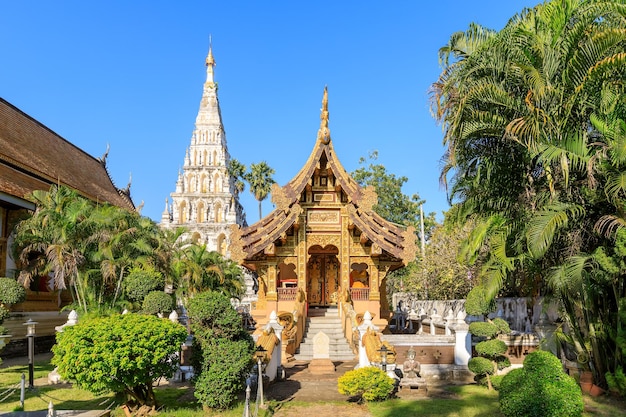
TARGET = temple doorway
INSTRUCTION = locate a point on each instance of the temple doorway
(322, 276)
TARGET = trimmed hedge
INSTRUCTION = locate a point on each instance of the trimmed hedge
(368, 383)
(477, 304)
(540, 388)
(158, 302)
(483, 329)
(140, 282)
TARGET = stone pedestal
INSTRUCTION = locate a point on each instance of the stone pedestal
(321, 363)
(414, 386)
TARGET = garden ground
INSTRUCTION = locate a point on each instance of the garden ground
(300, 395)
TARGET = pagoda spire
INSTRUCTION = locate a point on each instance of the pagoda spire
(209, 115)
(210, 65)
(323, 134)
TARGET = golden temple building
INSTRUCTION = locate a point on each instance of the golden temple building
(323, 244)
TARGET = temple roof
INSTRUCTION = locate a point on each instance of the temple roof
(389, 237)
(32, 157)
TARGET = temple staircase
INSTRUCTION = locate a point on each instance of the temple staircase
(325, 320)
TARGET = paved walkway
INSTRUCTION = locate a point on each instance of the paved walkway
(301, 385)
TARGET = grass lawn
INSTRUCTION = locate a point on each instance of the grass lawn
(178, 401)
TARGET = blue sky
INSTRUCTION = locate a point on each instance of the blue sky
(130, 74)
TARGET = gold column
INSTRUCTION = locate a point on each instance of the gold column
(374, 282)
(271, 282)
(345, 250)
(300, 250)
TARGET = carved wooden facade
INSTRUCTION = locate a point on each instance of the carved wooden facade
(323, 238)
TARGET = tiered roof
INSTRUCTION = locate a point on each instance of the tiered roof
(388, 237)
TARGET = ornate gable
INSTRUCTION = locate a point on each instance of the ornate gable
(317, 197)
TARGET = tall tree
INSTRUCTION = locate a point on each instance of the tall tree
(237, 170)
(260, 180)
(53, 240)
(523, 158)
(393, 204)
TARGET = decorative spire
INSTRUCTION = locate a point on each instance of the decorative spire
(210, 64)
(324, 133)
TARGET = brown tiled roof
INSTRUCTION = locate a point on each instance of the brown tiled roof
(33, 157)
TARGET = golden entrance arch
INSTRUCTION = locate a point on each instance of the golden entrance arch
(322, 276)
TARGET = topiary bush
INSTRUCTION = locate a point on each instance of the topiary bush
(540, 388)
(483, 329)
(11, 292)
(225, 349)
(368, 383)
(123, 354)
(477, 304)
(502, 326)
(140, 282)
(158, 302)
(490, 351)
(224, 369)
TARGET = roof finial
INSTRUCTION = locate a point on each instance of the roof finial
(210, 63)
(324, 133)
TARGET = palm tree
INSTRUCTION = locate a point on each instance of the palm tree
(52, 241)
(260, 180)
(523, 157)
(237, 170)
(199, 270)
(124, 239)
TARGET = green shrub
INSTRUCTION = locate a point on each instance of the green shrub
(477, 304)
(367, 383)
(121, 354)
(481, 366)
(511, 381)
(223, 347)
(617, 382)
(212, 315)
(483, 329)
(11, 292)
(502, 326)
(158, 302)
(496, 381)
(540, 388)
(224, 369)
(491, 348)
(140, 282)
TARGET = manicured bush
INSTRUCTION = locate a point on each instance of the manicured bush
(140, 282)
(224, 369)
(491, 348)
(10, 293)
(477, 304)
(496, 381)
(212, 315)
(483, 329)
(368, 383)
(123, 354)
(225, 349)
(481, 367)
(540, 388)
(502, 326)
(158, 302)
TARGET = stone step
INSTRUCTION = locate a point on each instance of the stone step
(314, 328)
(333, 320)
(333, 357)
(332, 348)
(332, 341)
